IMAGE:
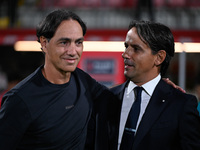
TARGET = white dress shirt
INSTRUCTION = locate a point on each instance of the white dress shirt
(128, 100)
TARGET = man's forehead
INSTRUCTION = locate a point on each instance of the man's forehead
(69, 30)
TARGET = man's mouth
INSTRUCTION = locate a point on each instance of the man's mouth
(70, 60)
(127, 66)
(128, 63)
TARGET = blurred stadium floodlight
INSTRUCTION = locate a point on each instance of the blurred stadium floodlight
(105, 46)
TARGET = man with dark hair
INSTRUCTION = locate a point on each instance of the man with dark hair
(150, 114)
(168, 118)
(50, 108)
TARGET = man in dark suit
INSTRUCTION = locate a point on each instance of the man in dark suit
(168, 118)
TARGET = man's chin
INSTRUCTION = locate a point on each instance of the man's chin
(126, 75)
(70, 69)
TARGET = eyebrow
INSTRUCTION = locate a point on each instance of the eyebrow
(68, 39)
(127, 43)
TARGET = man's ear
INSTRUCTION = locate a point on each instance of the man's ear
(43, 42)
(160, 57)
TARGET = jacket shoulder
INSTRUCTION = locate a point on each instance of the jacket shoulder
(119, 88)
(174, 92)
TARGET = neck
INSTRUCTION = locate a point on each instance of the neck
(141, 81)
(56, 77)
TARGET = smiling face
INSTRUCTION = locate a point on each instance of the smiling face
(141, 65)
(63, 51)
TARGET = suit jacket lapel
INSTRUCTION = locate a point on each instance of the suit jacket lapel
(119, 90)
(157, 103)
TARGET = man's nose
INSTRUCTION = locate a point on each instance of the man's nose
(71, 50)
(125, 55)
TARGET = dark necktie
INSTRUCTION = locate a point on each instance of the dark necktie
(131, 123)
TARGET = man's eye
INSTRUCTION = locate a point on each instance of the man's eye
(137, 49)
(63, 42)
(79, 42)
(125, 45)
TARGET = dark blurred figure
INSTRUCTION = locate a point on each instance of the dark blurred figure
(197, 89)
(144, 5)
(11, 12)
(197, 92)
(13, 78)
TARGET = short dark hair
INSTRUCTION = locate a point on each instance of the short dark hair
(50, 23)
(158, 37)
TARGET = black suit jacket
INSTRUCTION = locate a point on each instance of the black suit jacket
(170, 122)
(103, 125)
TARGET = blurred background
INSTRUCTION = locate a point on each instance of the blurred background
(107, 20)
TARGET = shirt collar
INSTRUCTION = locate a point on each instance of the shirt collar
(148, 87)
